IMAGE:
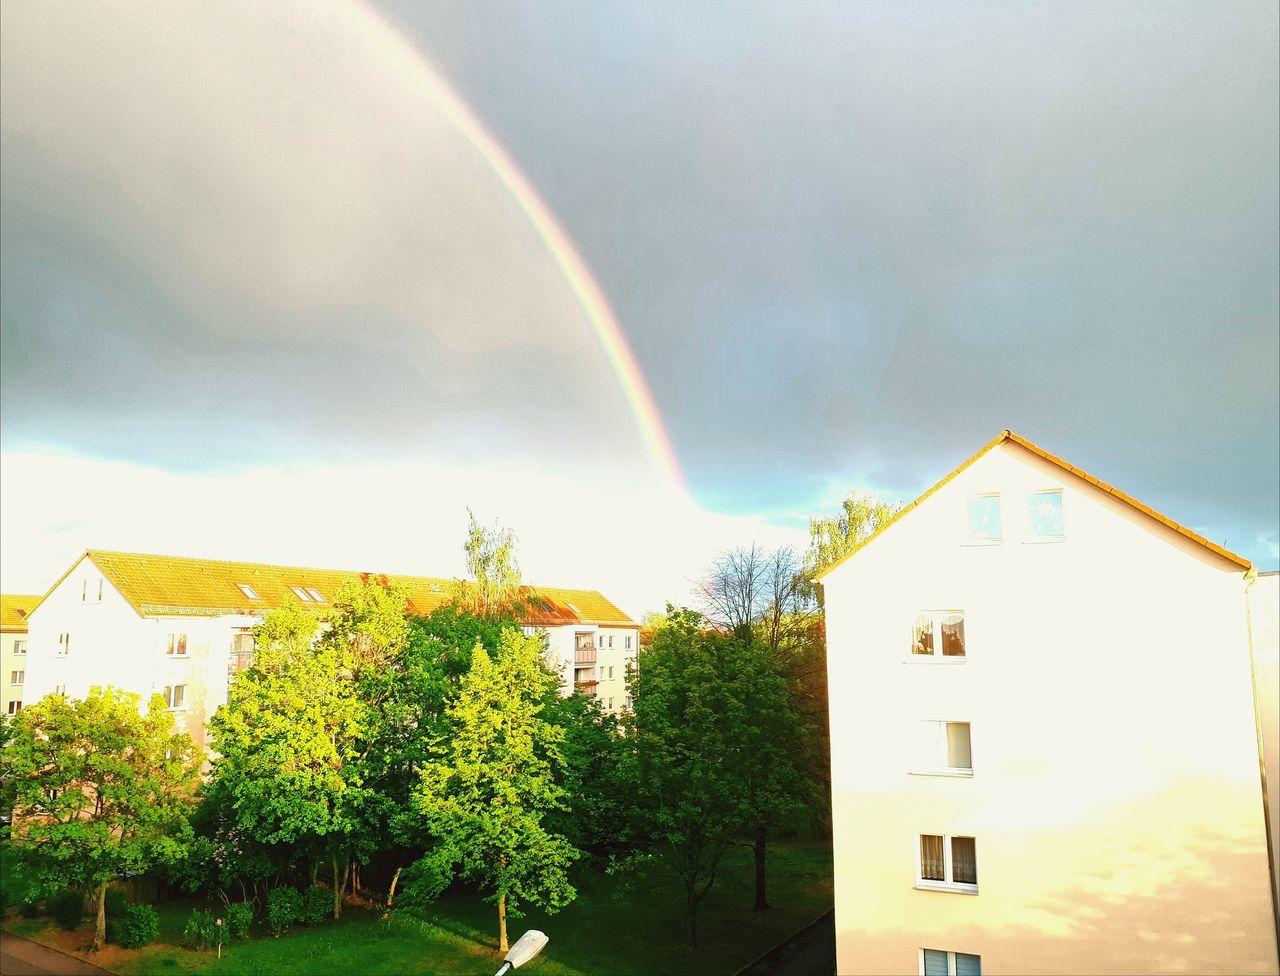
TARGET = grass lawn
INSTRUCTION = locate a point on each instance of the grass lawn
(608, 931)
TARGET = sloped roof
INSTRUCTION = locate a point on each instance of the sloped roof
(1009, 436)
(14, 608)
(181, 586)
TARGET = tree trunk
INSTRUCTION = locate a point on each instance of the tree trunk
(391, 892)
(502, 923)
(692, 902)
(100, 933)
(762, 903)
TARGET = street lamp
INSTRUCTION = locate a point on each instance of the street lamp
(526, 947)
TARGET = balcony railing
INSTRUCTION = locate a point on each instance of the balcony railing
(584, 655)
(586, 687)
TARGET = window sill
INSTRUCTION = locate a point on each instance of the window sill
(1046, 541)
(936, 659)
(981, 543)
(951, 889)
(950, 773)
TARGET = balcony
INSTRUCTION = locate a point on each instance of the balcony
(586, 687)
(584, 654)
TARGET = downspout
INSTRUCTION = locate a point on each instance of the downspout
(1251, 577)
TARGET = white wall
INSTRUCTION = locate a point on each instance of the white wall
(1115, 794)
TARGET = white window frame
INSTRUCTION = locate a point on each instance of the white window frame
(969, 539)
(314, 594)
(938, 763)
(60, 690)
(929, 884)
(20, 647)
(249, 592)
(168, 698)
(178, 646)
(1039, 540)
(628, 647)
(15, 706)
(17, 678)
(937, 657)
(301, 594)
(64, 645)
(951, 959)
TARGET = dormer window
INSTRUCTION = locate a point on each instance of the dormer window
(1044, 513)
(248, 591)
(984, 518)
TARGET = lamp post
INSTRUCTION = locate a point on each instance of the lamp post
(526, 947)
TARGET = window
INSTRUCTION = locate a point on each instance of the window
(20, 647)
(1044, 514)
(984, 518)
(248, 591)
(938, 631)
(611, 704)
(601, 636)
(60, 690)
(611, 640)
(628, 645)
(315, 595)
(937, 962)
(241, 654)
(99, 590)
(610, 672)
(948, 863)
(15, 707)
(177, 645)
(17, 677)
(64, 645)
(301, 594)
(86, 591)
(174, 696)
(945, 748)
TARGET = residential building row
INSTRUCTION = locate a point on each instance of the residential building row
(183, 628)
(1055, 746)
(13, 650)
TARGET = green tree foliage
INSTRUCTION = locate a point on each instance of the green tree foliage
(493, 586)
(288, 741)
(598, 815)
(705, 760)
(139, 926)
(101, 789)
(487, 795)
(833, 537)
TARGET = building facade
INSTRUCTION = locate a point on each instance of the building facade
(182, 628)
(1046, 755)
(13, 650)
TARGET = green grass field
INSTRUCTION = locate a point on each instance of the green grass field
(610, 930)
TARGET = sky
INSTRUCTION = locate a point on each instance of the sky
(301, 283)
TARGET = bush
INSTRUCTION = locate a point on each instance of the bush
(117, 902)
(284, 907)
(139, 926)
(67, 909)
(239, 918)
(31, 909)
(201, 930)
(317, 905)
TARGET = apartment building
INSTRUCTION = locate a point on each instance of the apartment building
(1046, 755)
(182, 628)
(13, 650)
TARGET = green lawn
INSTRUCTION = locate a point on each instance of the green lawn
(608, 931)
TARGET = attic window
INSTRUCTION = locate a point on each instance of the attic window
(315, 595)
(301, 594)
(574, 609)
(434, 587)
(248, 591)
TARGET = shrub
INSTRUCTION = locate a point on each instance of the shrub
(31, 909)
(139, 926)
(284, 907)
(239, 918)
(117, 902)
(201, 930)
(67, 908)
(317, 904)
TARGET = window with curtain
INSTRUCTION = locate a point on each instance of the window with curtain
(935, 631)
(932, 858)
(948, 863)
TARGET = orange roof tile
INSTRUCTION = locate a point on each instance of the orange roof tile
(181, 586)
(1009, 436)
(14, 609)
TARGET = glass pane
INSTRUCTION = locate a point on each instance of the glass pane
(964, 861)
(935, 962)
(931, 864)
(1045, 511)
(922, 635)
(968, 964)
(953, 635)
(959, 755)
(984, 517)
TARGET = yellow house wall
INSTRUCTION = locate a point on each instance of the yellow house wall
(1115, 797)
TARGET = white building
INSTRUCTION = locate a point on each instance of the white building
(13, 650)
(181, 627)
(1045, 755)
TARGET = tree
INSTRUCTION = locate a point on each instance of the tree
(101, 789)
(695, 743)
(494, 583)
(288, 741)
(833, 537)
(487, 793)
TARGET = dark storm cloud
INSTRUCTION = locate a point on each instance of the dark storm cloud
(856, 240)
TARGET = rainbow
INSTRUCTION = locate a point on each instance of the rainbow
(419, 72)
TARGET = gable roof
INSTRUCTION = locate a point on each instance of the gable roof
(14, 609)
(1009, 436)
(166, 586)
